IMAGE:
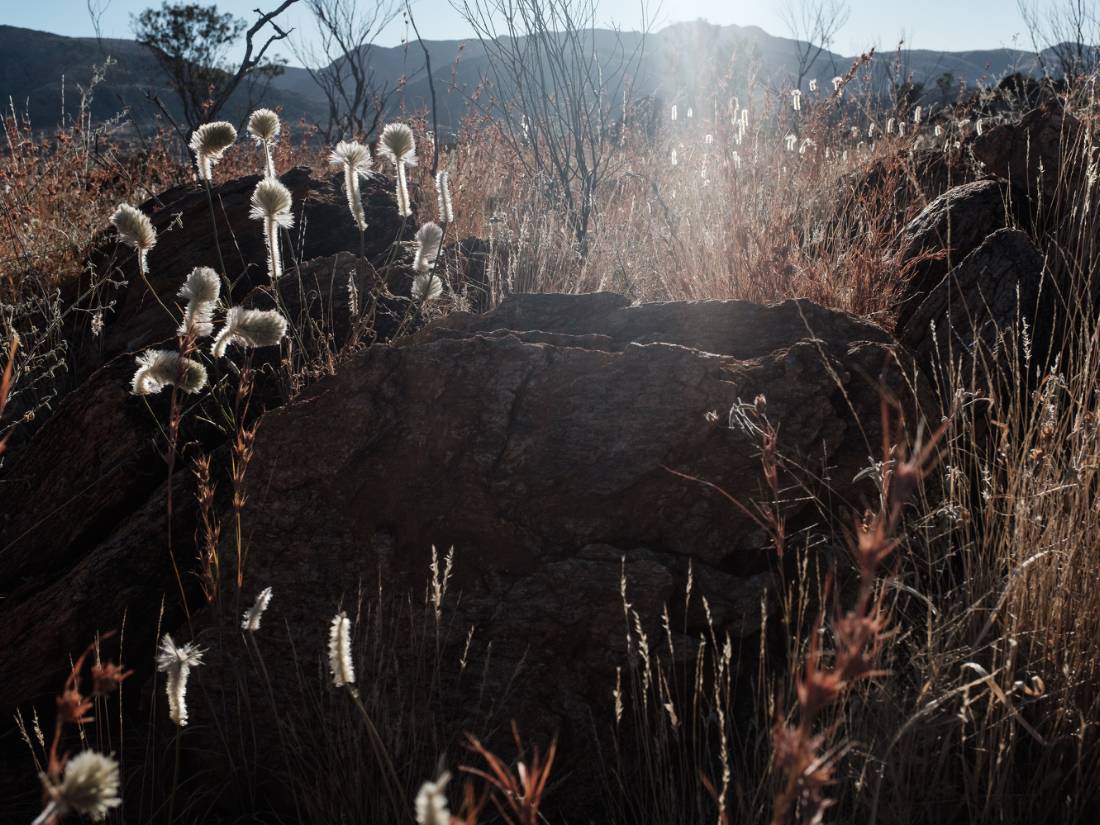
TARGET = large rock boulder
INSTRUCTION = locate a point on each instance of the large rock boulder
(544, 441)
(1033, 152)
(974, 323)
(945, 232)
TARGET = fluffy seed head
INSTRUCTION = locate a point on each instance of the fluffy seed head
(353, 154)
(428, 238)
(272, 201)
(427, 287)
(89, 786)
(249, 328)
(263, 125)
(200, 290)
(134, 228)
(209, 143)
(431, 802)
(443, 197)
(176, 661)
(339, 651)
(397, 144)
(159, 368)
(251, 620)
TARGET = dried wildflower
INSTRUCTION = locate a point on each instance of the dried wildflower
(135, 230)
(159, 368)
(428, 240)
(251, 620)
(339, 651)
(398, 145)
(89, 787)
(356, 160)
(353, 295)
(443, 197)
(431, 802)
(97, 323)
(249, 328)
(271, 202)
(73, 707)
(200, 290)
(263, 125)
(176, 663)
(837, 83)
(106, 678)
(209, 143)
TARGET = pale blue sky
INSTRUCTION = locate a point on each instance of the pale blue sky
(952, 25)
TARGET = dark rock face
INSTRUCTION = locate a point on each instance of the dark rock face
(538, 441)
(979, 308)
(945, 232)
(1031, 153)
(322, 227)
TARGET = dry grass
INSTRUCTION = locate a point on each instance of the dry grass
(960, 682)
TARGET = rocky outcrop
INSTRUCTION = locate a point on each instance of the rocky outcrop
(544, 442)
(945, 232)
(975, 321)
(1033, 152)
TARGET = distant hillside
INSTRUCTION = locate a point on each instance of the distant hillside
(40, 72)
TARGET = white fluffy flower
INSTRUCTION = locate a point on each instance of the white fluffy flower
(339, 651)
(443, 197)
(431, 802)
(89, 786)
(159, 368)
(427, 287)
(251, 619)
(200, 290)
(209, 143)
(271, 203)
(249, 328)
(136, 230)
(356, 160)
(398, 145)
(263, 125)
(176, 661)
(428, 240)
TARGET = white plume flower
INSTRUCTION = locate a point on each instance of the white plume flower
(917, 114)
(427, 287)
(200, 290)
(159, 368)
(431, 802)
(791, 141)
(271, 203)
(837, 82)
(176, 661)
(428, 240)
(796, 100)
(264, 126)
(339, 651)
(251, 619)
(89, 787)
(209, 143)
(398, 145)
(249, 328)
(443, 197)
(813, 85)
(356, 160)
(135, 230)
